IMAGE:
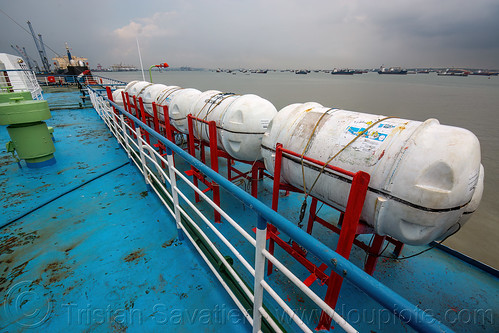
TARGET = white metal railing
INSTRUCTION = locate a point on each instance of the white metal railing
(20, 80)
(86, 79)
(144, 156)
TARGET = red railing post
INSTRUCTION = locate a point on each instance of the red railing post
(277, 176)
(190, 127)
(275, 201)
(351, 218)
(214, 165)
(374, 252)
(155, 117)
(312, 215)
(128, 102)
(213, 145)
(125, 105)
(192, 151)
(143, 118)
(136, 107)
(168, 126)
(110, 96)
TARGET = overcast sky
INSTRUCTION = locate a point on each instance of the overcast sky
(262, 33)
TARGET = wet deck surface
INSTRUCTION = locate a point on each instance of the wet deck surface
(103, 257)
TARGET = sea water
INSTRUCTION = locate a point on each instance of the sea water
(469, 102)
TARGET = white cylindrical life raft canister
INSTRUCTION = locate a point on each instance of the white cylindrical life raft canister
(135, 88)
(118, 97)
(179, 105)
(157, 93)
(426, 178)
(241, 122)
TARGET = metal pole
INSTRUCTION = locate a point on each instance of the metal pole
(173, 183)
(125, 137)
(142, 157)
(261, 235)
(150, 73)
(140, 59)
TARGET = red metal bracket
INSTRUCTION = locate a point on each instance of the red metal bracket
(256, 173)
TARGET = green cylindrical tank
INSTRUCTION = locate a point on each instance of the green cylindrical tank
(30, 136)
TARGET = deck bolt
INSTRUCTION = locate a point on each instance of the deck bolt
(344, 272)
(334, 261)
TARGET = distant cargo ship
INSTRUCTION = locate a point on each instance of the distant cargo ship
(123, 68)
(453, 72)
(70, 65)
(484, 73)
(392, 70)
(343, 71)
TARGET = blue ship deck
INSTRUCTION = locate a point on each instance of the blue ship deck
(89, 248)
(104, 256)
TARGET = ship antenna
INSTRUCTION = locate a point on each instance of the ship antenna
(140, 59)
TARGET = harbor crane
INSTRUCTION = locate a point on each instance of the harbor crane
(41, 48)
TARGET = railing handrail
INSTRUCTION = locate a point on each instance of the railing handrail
(110, 79)
(398, 305)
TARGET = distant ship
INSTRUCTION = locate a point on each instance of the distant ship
(123, 68)
(484, 73)
(392, 70)
(343, 71)
(453, 72)
(70, 65)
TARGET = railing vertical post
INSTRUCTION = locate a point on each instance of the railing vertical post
(261, 239)
(374, 253)
(130, 106)
(214, 165)
(136, 114)
(142, 156)
(173, 183)
(143, 118)
(136, 107)
(168, 126)
(213, 145)
(275, 199)
(277, 176)
(351, 218)
(156, 117)
(312, 215)
(126, 101)
(110, 97)
(190, 126)
(192, 151)
(125, 136)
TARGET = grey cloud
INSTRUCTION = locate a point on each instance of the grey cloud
(267, 33)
